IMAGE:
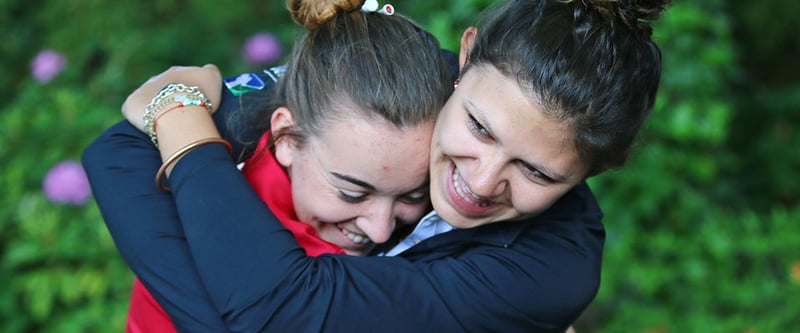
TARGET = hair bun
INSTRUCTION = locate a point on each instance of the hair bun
(630, 11)
(646, 9)
(312, 13)
(637, 14)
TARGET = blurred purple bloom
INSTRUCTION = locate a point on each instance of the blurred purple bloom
(47, 64)
(67, 183)
(262, 48)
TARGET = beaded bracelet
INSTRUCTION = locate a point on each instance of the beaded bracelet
(183, 151)
(166, 96)
(161, 114)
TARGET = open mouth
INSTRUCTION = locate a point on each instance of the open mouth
(463, 198)
(355, 237)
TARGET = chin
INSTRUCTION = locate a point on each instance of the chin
(451, 215)
(462, 222)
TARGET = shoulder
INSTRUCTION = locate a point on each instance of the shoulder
(244, 98)
(550, 265)
(252, 83)
(561, 250)
(545, 278)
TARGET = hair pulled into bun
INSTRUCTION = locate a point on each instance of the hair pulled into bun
(636, 14)
(313, 13)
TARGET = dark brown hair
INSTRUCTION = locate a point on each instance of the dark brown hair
(591, 64)
(381, 67)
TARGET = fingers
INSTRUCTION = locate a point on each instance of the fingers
(207, 77)
(214, 69)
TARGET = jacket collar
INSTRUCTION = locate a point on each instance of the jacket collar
(578, 204)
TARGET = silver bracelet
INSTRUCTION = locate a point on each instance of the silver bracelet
(168, 95)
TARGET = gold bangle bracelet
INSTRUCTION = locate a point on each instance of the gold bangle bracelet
(183, 151)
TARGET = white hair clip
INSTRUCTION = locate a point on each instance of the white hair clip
(372, 6)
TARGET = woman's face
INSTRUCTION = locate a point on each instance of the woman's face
(495, 155)
(357, 180)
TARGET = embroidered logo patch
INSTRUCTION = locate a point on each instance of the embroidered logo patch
(244, 83)
(275, 72)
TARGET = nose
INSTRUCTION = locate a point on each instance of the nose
(378, 221)
(488, 179)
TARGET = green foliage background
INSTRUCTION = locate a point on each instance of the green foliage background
(703, 225)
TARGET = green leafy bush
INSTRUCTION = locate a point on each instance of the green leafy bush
(694, 245)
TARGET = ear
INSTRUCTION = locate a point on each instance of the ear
(284, 148)
(467, 40)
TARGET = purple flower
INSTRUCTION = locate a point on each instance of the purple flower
(67, 183)
(262, 48)
(47, 64)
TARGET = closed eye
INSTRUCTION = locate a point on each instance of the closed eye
(476, 128)
(414, 198)
(352, 198)
(534, 174)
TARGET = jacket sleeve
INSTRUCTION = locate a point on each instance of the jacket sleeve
(261, 280)
(121, 166)
(144, 224)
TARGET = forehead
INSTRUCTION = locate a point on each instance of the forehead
(390, 158)
(522, 127)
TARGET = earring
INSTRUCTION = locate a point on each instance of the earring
(455, 84)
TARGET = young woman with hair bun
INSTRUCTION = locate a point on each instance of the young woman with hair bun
(550, 92)
(323, 165)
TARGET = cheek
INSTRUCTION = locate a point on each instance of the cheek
(321, 207)
(315, 202)
(537, 200)
(445, 128)
(455, 139)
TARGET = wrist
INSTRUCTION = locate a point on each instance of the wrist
(181, 126)
(169, 98)
(169, 162)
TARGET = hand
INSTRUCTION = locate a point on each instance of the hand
(207, 78)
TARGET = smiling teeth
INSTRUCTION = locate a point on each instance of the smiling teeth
(464, 192)
(356, 238)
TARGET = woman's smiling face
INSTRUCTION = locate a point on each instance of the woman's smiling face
(357, 180)
(496, 156)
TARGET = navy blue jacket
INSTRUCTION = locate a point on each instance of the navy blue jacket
(216, 259)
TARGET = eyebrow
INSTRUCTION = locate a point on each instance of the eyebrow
(480, 115)
(355, 181)
(558, 178)
(371, 187)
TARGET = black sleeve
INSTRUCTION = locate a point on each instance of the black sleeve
(262, 281)
(143, 222)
